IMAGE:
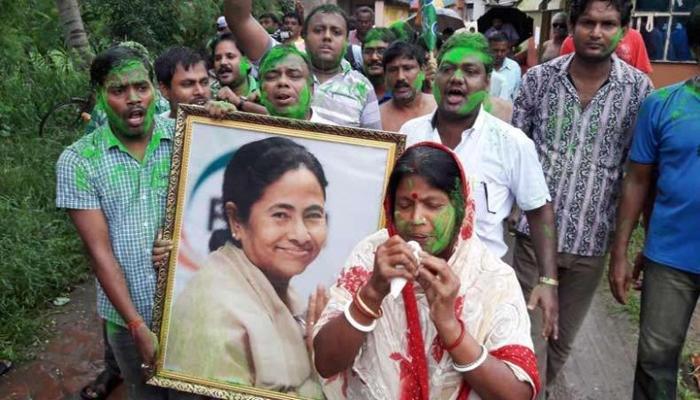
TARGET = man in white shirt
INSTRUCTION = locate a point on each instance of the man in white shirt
(500, 160)
(505, 67)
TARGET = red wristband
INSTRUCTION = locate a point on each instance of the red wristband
(458, 340)
(134, 325)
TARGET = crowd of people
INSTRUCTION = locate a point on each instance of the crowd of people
(569, 152)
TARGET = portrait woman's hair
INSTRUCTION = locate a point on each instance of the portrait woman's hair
(257, 165)
(436, 166)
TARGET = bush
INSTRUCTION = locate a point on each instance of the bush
(40, 252)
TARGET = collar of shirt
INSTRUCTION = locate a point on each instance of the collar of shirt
(617, 73)
(507, 64)
(469, 135)
(160, 132)
(345, 69)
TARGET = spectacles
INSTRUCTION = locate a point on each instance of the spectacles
(371, 50)
(558, 25)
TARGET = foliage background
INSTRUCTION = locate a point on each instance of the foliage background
(40, 255)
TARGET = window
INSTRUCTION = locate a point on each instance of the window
(662, 25)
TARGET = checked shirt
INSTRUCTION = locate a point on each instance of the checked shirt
(97, 172)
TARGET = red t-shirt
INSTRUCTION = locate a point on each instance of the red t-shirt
(631, 49)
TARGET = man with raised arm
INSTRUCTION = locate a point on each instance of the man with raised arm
(341, 95)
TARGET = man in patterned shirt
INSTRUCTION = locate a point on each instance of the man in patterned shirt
(579, 110)
(113, 182)
(341, 95)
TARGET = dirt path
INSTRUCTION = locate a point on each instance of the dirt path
(66, 362)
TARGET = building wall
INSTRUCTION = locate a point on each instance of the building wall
(665, 74)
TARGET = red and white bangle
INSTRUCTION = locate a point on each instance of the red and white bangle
(352, 321)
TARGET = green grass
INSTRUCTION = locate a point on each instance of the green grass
(40, 253)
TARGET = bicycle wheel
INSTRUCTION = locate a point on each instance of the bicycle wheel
(64, 116)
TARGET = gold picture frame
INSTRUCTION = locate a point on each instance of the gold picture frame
(193, 131)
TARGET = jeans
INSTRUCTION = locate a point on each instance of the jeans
(669, 296)
(129, 361)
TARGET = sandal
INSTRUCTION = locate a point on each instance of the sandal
(5, 366)
(101, 387)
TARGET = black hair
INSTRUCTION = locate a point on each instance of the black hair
(166, 64)
(272, 16)
(498, 37)
(326, 9)
(400, 49)
(693, 28)
(295, 15)
(221, 38)
(437, 167)
(624, 7)
(364, 10)
(112, 58)
(257, 165)
(384, 34)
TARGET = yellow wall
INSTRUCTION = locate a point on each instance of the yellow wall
(394, 13)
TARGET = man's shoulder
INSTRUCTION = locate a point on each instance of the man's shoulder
(504, 131)
(512, 64)
(89, 146)
(424, 121)
(629, 74)
(666, 95)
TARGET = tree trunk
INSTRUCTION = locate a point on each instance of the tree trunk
(73, 29)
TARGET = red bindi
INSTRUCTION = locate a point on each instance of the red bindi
(414, 195)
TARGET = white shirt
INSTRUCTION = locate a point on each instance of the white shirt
(510, 71)
(502, 167)
(498, 86)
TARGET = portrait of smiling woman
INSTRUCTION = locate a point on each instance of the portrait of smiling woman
(246, 325)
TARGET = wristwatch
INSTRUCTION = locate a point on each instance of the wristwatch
(239, 106)
(548, 281)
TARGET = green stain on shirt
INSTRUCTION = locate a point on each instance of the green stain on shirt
(81, 179)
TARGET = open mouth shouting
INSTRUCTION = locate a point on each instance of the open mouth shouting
(455, 95)
(135, 117)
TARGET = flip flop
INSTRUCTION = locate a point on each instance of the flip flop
(5, 366)
(101, 387)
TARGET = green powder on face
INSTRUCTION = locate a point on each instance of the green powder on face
(473, 102)
(418, 83)
(436, 94)
(447, 222)
(126, 74)
(616, 39)
(297, 111)
(457, 55)
(443, 229)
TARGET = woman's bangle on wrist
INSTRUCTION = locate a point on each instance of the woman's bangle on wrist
(462, 368)
(458, 341)
(353, 322)
(364, 309)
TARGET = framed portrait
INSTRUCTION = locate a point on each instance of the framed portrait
(261, 211)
